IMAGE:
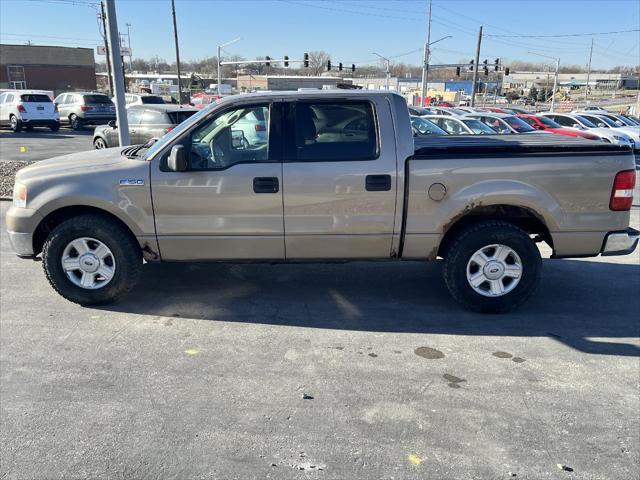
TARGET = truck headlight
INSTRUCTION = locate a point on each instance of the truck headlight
(20, 195)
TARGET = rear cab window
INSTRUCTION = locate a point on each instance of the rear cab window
(332, 131)
(152, 100)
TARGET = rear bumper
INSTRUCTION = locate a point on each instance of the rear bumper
(97, 119)
(40, 122)
(620, 243)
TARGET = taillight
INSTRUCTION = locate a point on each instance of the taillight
(21, 108)
(622, 192)
(260, 128)
(85, 108)
(168, 129)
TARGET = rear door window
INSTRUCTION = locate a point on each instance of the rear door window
(331, 131)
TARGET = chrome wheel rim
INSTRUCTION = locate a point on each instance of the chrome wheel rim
(494, 270)
(100, 144)
(88, 263)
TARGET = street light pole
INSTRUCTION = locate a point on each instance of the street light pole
(130, 51)
(427, 52)
(555, 78)
(220, 47)
(175, 35)
(386, 82)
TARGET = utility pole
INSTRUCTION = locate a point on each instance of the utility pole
(175, 35)
(476, 67)
(586, 87)
(220, 47)
(103, 17)
(130, 51)
(118, 78)
(425, 60)
(555, 86)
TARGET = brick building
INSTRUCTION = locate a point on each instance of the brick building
(42, 67)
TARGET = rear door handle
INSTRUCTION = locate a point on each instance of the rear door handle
(378, 183)
(266, 185)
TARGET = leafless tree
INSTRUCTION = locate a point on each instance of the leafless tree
(317, 62)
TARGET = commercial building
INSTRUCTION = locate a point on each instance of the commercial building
(42, 67)
(249, 83)
(599, 81)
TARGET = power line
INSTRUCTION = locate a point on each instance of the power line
(566, 34)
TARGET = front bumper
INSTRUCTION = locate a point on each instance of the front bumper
(21, 224)
(620, 243)
(22, 243)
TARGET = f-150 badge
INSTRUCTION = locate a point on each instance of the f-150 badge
(132, 181)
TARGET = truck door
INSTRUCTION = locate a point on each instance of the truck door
(228, 205)
(339, 179)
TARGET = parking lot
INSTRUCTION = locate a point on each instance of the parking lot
(361, 370)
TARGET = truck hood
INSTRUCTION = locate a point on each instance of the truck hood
(92, 160)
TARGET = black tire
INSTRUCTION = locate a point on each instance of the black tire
(475, 238)
(125, 250)
(16, 125)
(55, 128)
(99, 143)
(75, 122)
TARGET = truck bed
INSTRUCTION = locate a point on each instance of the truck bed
(479, 146)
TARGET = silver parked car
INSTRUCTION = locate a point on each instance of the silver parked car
(131, 99)
(145, 122)
(85, 108)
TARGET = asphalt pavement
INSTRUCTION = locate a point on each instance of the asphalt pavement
(29, 147)
(341, 371)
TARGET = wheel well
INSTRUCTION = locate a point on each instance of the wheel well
(521, 217)
(55, 218)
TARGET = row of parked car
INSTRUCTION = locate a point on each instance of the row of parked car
(593, 123)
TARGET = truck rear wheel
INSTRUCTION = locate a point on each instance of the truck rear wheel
(91, 259)
(492, 267)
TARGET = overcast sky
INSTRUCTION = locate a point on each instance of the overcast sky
(349, 30)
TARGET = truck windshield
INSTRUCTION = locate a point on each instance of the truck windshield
(518, 125)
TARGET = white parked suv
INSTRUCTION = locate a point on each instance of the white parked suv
(27, 109)
(131, 99)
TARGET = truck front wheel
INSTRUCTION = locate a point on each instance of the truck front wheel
(492, 267)
(91, 259)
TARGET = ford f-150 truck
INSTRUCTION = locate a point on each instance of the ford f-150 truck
(338, 176)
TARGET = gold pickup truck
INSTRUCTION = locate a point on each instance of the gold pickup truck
(324, 176)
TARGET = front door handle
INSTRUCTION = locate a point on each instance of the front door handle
(378, 183)
(266, 185)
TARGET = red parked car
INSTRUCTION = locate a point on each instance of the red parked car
(497, 110)
(548, 125)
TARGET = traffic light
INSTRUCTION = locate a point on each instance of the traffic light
(340, 66)
(266, 61)
(306, 60)
(471, 68)
(486, 71)
(506, 71)
(353, 67)
(457, 71)
(286, 61)
(497, 64)
(328, 65)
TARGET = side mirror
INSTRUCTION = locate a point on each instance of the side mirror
(577, 125)
(237, 139)
(112, 124)
(177, 159)
(537, 127)
(602, 125)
